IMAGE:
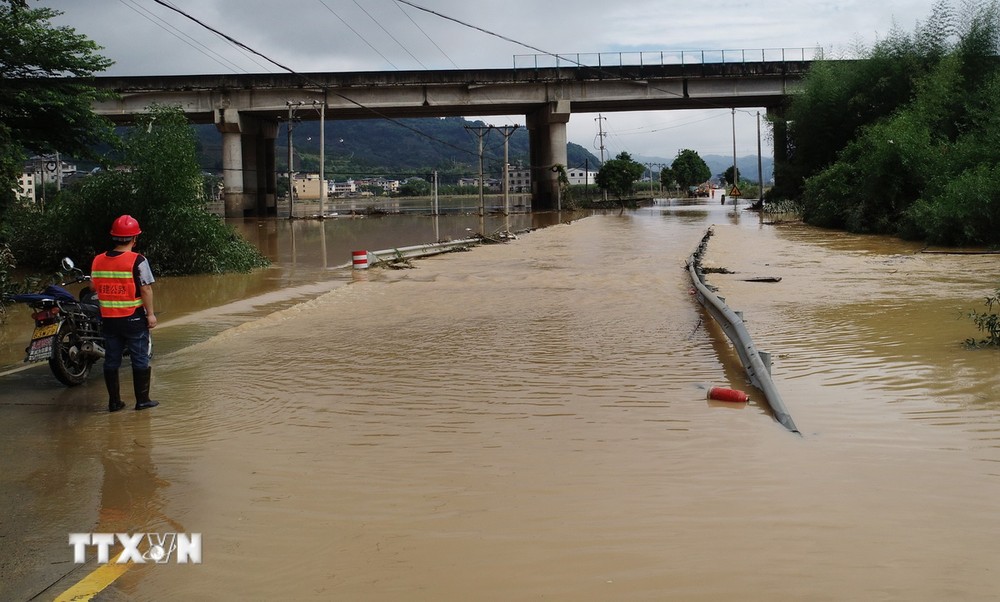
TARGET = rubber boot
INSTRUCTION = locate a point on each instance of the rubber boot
(115, 402)
(140, 381)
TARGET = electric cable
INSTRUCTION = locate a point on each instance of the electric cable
(392, 37)
(311, 81)
(180, 35)
(361, 37)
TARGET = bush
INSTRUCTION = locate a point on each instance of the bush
(987, 322)
(966, 212)
(160, 184)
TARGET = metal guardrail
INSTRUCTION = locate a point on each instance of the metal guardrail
(666, 57)
(756, 363)
(414, 251)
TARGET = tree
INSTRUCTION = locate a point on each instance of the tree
(41, 110)
(618, 176)
(925, 165)
(415, 187)
(728, 176)
(161, 186)
(690, 169)
(667, 177)
(839, 99)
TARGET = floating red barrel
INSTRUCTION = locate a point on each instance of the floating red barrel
(724, 394)
(360, 259)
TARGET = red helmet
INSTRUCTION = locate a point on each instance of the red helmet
(125, 226)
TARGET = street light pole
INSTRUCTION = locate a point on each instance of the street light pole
(291, 178)
(322, 157)
(736, 177)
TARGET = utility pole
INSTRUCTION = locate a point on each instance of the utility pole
(435, 180)
(507, 132)
(481, 131)
(322, 155)
(736, 178)
(600, 132)
(291, 176)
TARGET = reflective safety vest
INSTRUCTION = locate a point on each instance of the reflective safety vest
(115, 284)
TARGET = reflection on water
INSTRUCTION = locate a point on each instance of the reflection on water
(529, 420)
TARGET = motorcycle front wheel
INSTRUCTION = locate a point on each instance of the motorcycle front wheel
(68, 364)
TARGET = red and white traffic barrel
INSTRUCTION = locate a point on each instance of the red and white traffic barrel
(360, 260)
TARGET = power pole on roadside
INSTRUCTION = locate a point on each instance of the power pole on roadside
(291, 177)
(481, 131)
(507, 132)
(322, 154)
(600, 132)
(736, 177)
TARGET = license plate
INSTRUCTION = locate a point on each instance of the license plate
(42, 342)
(45, 331)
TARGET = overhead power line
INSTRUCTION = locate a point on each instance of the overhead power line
(355, 32)
(426, 36)
(309, 80)
(392, 37)
(177, 33)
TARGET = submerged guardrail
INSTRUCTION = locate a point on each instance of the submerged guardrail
(426, 250)
(410, 252)
(756, 363)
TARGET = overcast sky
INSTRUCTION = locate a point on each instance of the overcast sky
(146, 38)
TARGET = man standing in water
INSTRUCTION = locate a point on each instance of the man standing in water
(123, 281)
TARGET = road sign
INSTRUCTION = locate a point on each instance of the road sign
(735, 191)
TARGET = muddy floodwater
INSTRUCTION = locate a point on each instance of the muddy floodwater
(529, 421)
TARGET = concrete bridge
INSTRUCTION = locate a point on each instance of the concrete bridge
(247, 108)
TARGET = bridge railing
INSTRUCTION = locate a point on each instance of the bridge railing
(666, 57)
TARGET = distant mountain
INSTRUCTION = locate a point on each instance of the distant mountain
(406, 147)
(395, 148)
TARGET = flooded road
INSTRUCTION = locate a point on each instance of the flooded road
(529, 420)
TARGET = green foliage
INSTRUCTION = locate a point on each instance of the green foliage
(415, 187)
(7, 265)
(728, 175)
(618, 176)
(904, 142)
(690, 169)
(39, 113)
(987, 322)
(668, 178)
(161, 186)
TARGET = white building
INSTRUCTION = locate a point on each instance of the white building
(519, 178)
(348, 188)
(26, 187)
(578, 175)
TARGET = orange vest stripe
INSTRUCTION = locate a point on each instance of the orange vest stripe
(115, 284)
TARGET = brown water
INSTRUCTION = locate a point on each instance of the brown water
(528, 421)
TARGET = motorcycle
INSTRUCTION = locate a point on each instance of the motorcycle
(67, 329)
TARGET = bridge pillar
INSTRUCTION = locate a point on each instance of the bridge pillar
(247, 163)
(779, 130)
(547, 136)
